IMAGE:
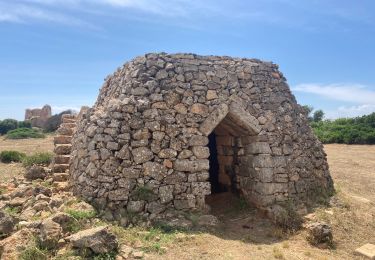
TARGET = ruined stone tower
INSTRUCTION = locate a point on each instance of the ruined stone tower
(168, 130)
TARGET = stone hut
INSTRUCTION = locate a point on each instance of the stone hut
(38, 116)
(168, 130)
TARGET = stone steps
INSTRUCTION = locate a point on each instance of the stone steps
(60, 176)
(62, 139)
(63, 149)
(65, 131)
(69, 120)
(60, 186)
(62, 159)
(60, 167)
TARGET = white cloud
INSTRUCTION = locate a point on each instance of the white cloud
(354, 93)
(361, 98)
(23, 13)
(7, 17)
(350, 111)
(59, 109)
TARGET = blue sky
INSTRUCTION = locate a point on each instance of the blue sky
(59, 51)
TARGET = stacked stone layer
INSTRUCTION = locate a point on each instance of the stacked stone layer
(143, 146)
(63, 147)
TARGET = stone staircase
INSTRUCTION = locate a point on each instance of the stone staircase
(63, 147)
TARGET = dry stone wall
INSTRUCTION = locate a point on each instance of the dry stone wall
(143, 147)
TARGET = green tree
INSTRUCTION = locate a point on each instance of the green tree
(308, 109)
(7, 125)
(318, 115)
(24, 124)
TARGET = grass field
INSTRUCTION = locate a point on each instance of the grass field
(243, 234)
(27, 146)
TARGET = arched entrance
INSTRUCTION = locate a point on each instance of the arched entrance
(229, 129)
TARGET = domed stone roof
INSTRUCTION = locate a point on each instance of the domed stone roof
(167, 130)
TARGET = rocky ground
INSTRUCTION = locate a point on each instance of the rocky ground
(42, 220)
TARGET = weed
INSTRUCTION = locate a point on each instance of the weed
(105, 256)
(241, 204)
(33, 253)
(278, 233)
(81, 214)
(11, 156)
(75, 226)
(13, 211)
(69, 254)
(287, 217)
(72, 202)
(308, 254)
(277, 253)
(193, 217)
(285, 244)
(43, 159)
(151, 240)
(2, 190)
(166, 228)
(143, 193)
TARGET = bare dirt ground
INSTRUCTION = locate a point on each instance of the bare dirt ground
(250, 236)
(245, 234)
(27, 146)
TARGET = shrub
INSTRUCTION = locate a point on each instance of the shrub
(33, 253)
(24, 124)
(358, 130)
(11, 156)
(7, 125)
(23, 133)
(43, 159)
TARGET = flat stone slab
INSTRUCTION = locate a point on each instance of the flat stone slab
(367, 250)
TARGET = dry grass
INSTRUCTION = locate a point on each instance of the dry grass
(244, 234)
(353, 220)
(27, 146)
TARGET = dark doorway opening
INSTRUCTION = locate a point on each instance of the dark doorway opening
(216, 187)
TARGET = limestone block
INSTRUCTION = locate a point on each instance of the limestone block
(166, 193)
(142, 154)
(258, 148)
(154, 170)
(201, 188)
(213, 119)
(191, 166)
(135, 206)
(243, 119)
(367, 250)
(199, 109)
(201, 152)
(167, 153)
(119, 194)
(270, 188)
(211, 94)
(198, 140)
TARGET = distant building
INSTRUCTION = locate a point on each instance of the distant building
(38, 116)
